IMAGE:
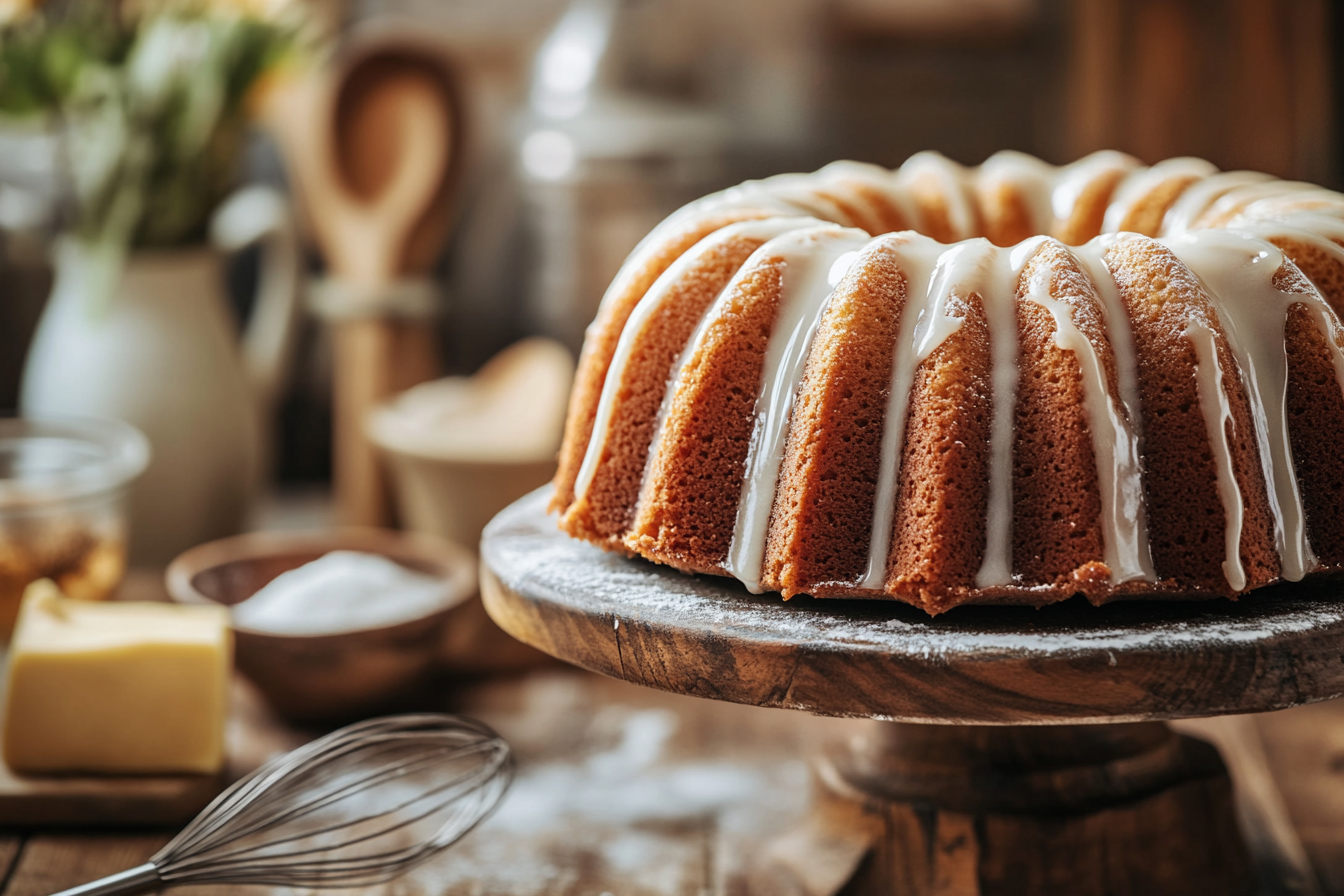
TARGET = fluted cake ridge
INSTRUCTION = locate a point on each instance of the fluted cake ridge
(946, 385)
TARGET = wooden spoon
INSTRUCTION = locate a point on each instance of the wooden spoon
(392, 148)
(372, 145)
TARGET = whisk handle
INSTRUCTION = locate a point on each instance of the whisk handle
(144, 877)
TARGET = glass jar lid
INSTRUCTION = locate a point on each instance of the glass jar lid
(54, 459)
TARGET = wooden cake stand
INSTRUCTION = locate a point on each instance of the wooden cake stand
(1016, 750)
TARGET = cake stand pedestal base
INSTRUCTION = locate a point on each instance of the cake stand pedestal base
(1011, 750)
(1078, 809)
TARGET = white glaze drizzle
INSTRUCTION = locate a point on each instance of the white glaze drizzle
(800, 190)
(1264, 207)
(1317, 210)
(1195, 200)
(1326, 234)
(1130, 515)
(1029, 177)
(955, 188)
(1238, 270)
(997, 288)
(1323, 229)
(1114, 444)
(692, 345)
(1322, 232)
(753, 194)
(1140, 182)
(928, 319)
(810, 258)
(841, 177)
(1071, 180)
(1239, 197)
(764, 229)
(1311, 226)
(1217, 413)
(859, 170)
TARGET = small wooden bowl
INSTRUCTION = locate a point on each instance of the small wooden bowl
(326, 677)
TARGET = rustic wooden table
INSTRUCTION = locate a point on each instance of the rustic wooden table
(629, 791)
(619, 790)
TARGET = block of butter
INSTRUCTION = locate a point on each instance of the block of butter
(111, 687)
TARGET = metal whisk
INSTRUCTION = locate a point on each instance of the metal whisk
(358, 807)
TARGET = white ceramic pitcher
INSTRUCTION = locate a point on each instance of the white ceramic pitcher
(163, 354)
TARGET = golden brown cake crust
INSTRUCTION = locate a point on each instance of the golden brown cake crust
(1147, 214)
(1186, 520)
(678, 493)
(1057, 538)
(926, 189)
(1089, 211)
(856, 213)
(1004, 216)
(1316, 430)
(602, 514)
(938, 535)
(1323, 268)
(685, 517)
(886, 217)
(600, 345)
(821, 524)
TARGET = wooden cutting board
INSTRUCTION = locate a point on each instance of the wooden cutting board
(94, 801)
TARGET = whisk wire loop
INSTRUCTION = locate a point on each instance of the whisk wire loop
(369, 781)
(357, 807)
(294, 770)
(449, 790)
(365, 870)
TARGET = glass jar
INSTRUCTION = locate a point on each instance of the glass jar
(63, 506)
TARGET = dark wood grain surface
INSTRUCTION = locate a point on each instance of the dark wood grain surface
(631, 791)
(1072, 662)
(619, 789)
(624, 789)
(96, 801)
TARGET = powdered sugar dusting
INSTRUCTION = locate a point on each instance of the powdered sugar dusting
(531, 556)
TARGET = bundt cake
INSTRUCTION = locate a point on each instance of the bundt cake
(945, 385)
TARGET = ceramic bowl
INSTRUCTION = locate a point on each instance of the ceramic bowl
(329, 677)
(461, 449)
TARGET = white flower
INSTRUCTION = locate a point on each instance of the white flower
(166, 54)
(273, 10)
(13, 11)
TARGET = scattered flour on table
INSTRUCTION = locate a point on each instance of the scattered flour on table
(631, 811)
(625, 785)
(340, 592)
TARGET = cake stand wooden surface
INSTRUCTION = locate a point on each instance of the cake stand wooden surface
(1038, 762)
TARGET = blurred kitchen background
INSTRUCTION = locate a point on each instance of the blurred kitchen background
(335, 258)
(570, 127)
